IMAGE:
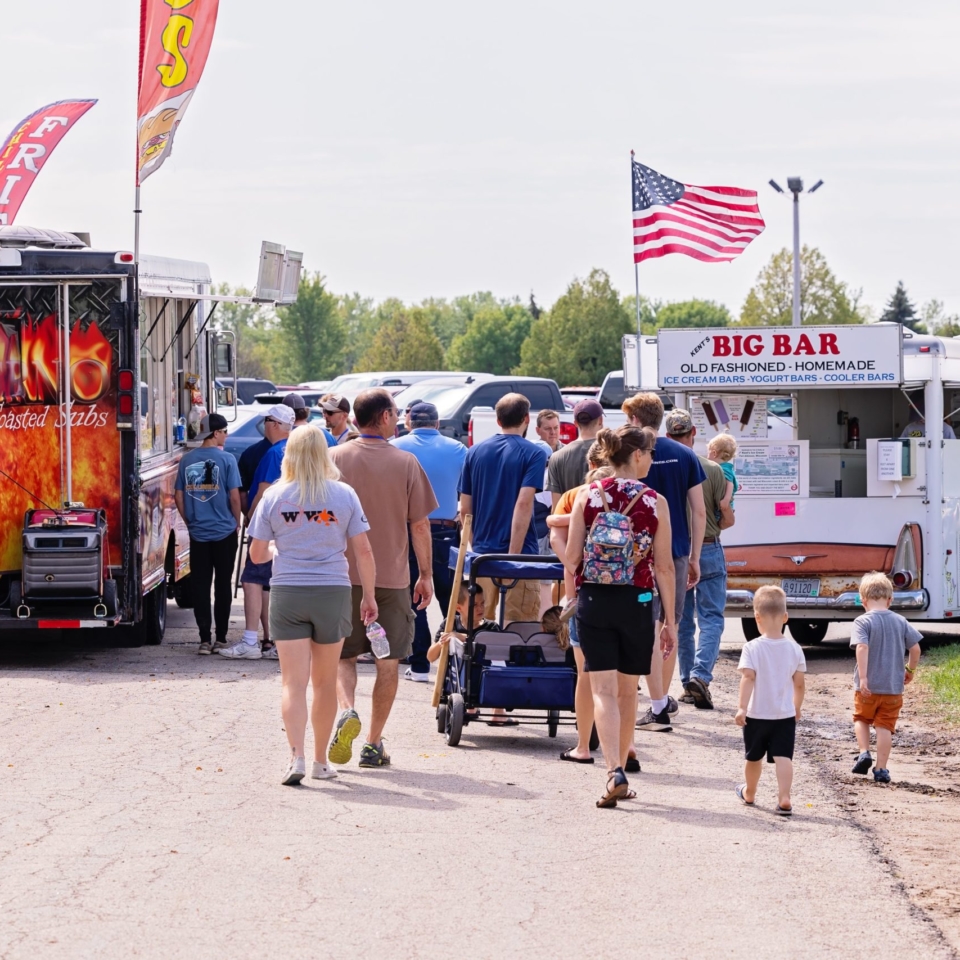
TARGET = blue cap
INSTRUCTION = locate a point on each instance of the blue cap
(424, 413)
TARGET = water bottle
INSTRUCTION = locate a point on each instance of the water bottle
(180, 431)
(379, 643)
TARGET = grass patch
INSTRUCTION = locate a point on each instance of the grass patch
(939, 674)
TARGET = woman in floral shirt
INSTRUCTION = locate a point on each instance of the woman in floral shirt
(615, 620)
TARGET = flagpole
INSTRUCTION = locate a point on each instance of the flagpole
(636, 279)
(136, 224)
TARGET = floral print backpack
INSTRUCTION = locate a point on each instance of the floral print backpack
(609, 551)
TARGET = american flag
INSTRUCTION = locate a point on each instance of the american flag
(708, 223)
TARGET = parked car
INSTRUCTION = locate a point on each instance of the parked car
(455, 402)
(245, 431)
(310, 397)
(248, 387)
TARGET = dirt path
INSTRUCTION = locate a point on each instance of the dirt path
(914, 822)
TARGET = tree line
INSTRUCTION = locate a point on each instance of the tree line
(576, 341)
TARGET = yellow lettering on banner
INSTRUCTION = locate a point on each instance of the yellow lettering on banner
(178, 4)
(178, 27)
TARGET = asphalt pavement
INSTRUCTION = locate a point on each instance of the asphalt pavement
(143, 816)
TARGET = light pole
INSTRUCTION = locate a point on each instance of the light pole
(795, 186)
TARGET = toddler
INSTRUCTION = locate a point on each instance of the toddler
(721, 450)
(881, 639)
(772, 669)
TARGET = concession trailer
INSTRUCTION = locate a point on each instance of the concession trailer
(853, 480)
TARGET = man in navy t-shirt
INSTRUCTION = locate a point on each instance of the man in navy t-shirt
(677, 476)
(503, 470)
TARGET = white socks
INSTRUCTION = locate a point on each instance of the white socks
(250, 637)
(660, 705)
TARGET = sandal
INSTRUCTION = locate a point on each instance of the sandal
(629, 795)
(784, 811)
(632, 765)
(743, 799)
(567, 755)
(620, 788)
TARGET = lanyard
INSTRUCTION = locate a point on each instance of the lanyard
(370, 436)
(337, 440)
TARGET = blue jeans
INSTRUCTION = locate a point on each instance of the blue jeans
(707, 599)
(443, 539)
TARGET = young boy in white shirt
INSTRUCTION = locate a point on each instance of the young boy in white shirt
(881, 639)
(772, 669)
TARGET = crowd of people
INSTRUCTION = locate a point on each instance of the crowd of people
(350, 533)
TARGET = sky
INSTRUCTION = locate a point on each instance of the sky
(430, 149)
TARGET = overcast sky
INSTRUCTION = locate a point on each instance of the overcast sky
(432, 149)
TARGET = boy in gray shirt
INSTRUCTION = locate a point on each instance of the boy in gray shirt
(881, 639)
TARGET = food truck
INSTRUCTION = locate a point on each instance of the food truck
(853, 480)
(107, 368)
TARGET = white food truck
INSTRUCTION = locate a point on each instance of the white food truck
(858, 483)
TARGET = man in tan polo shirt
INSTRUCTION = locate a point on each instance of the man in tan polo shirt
(394, 492)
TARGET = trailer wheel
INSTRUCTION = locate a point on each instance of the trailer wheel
(553, 722)
(750, 629)
(442, 718)
(183, 593)
(16, 594)
(809, 632)
(455, 712)
(155, 615)
(110, 597)
(594, 739)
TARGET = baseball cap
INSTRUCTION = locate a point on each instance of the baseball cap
(678, 422)
(210, 424)
(423, 412)
(333, 402)
(281, 413)
(294, 401)
(586, 411)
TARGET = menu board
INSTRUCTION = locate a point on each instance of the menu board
(744, 418)
(768, 468)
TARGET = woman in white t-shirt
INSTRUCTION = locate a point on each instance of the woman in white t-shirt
(304, 523)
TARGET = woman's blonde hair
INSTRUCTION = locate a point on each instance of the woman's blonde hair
(551, 624)
(600, 473)
(307, 463)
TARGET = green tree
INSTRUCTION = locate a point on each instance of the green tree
(404, 342)
(578, 341)
(253, 325)
(648, 313)
(899, 309)
(493, 339)
(693, 313)
(936, 319)
(310, 335)
(360, 322)
(823, 298)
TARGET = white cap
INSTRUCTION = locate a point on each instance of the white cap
(282, 413)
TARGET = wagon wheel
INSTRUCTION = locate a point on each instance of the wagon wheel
(442, 718)
(455, 712)
(594, 738)
(809, 632)
(750, 629)
(553, 722)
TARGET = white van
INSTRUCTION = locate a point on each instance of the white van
(844, 493)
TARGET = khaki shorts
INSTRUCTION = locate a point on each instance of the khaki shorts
(523, 601)
(394, 614)
(879, 709)
(320, 613)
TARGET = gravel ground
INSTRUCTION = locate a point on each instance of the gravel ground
(143, 817)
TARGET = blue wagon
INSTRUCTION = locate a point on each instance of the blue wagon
(520, 669)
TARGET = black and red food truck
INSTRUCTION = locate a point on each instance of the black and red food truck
(107, 367)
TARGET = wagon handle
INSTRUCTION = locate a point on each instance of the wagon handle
(452, 608)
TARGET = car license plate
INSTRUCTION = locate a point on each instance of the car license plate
(801, 588)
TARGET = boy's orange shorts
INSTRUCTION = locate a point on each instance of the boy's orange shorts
(879, 709)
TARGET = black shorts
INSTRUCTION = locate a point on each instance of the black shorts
(615, 628)
(775, 738)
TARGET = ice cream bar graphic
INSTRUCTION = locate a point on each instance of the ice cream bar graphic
(710, 415)
(722, 414)
(745, 414)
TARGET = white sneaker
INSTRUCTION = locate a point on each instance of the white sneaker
(241, 651)
(321, 771)
(295, 772)
(409, 674)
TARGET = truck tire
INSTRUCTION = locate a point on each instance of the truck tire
(808, 632)
(750, 629)
(154, 615)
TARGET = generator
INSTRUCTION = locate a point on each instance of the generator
(62, 559)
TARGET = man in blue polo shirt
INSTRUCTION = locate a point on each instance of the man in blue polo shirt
(442, 460)
(500, 478)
